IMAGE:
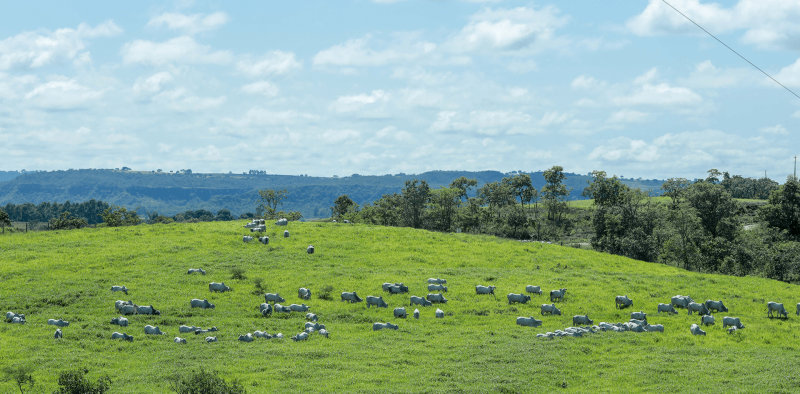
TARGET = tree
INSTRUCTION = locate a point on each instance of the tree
(415, 196)
(67, 222)
(606, 192)
(270, 199)
(115, 216)
(497, 195)
(783, 210)
(76, 382)
(224, 215)
(4, 220)
(713, 176)
(444, 204)
(715, 208)
(555, 193)
(676, 189)
(683, 245)
(522, 187)
(342, 206)
(463, 184)
(22, 375)
(204, 382)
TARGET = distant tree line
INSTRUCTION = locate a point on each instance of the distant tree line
(90, 211)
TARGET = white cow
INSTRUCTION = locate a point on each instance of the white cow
(211, 339)
(310, 249)
(281, 308)
(582, 319)
(622, 301)
(282, 222)
(198, 303)
(707, 320)
(119, 304)
(246, 337)
(247, 239)
(58, 323)
(147, 310)
(654, 328)
(185, 329)
(300, 337)
(387, 285)
(266, 309)
(128, 309)
(715, 306)
(798, 309)
(557, 294)
(323, 332)
(351, 296)
(304, 293)
(196, 271)
(437, 281)
(528, 321)
(299, 308)
(377, 301)
(15, 317)
(314, 326)
(439, 313)
(667, 308)
(400, 312)
(550, 309)
(437, 288)
(179, 340)
(120, 288)
(151, 330)
(381, 326)
(695, 330)
(774, 306)
(198, 332)
(274, 297)
(120, 321)
(311, 316)
(732, 330)
(264, 240)
(416, 313)
(285, 233)
(214, 286)
(58, 334)
(732, 321)
(697, 307)
(485, 289)
(681, 301)
(436, 298)
(261, 334)
(398, 289)
(533, 289)
(639, 315)
(420, 301)
(521, 298)
(123, 336)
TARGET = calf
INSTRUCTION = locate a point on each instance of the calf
(304, 293)
(533, 289)
(439, 313)
(528, 322)
(707, 320)
(179, 340)
(521, 298)
(416, 313)
(557, 295)
(732, 321)
(300, 337)
(323, 332)
(211, 339)
(381, 326)
(120, 321)
(120, 288)
(695, 330)
(58, 334)
(198, 303)
(377, 301)
(550, 309)
(667, 308)
(311, 316)
(247, 239)
(400, 312)
(352, 297)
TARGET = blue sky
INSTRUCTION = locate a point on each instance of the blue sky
(378, 87)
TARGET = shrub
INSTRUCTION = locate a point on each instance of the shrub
(76, 382)
(204, 382)
(238, 273)
(259, 282)
(325, 293)
(22, 375)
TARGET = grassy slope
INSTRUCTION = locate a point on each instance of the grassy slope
(478, 348)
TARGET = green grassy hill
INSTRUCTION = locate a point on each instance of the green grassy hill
(477, 347)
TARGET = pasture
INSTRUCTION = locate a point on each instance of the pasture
(476, 347)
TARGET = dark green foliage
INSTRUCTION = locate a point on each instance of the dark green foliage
(90, 211)
(342, 206)
(414, 200)
(783, 211)
(4, 219)
(269, 201)
(115, 216)
(238, 273)
(204, 382)
(740, 187)
(67, 222)
(325, 293)
(21, 375)
(76, 382)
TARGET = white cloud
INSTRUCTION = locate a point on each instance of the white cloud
(777, 129)
(790, 75)
(623, 148)
(483, 122)
(553, 118)
(706, 75)
(509, 29)
(353, 103)
(259, 117)
(339, 136)
(586, 82)
(181, 100)
(659, 19)
(627, 116)
(37, 49)
(357, 52)
(265, 88)
(153, 83)
(522, 66)
(182, 49)
(661, 94)
(63, 94)
(273, 63)
(190, 24)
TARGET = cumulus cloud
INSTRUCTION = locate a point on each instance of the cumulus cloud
(661, 94)
(37, 49)
(63, 94)
(259, 117)
(190, 24)
(339, 136)
(353, 103)
(627, 116)
(182, 49)
(482, 122)
(357, 52)
(181, 100)
(509, 29)
(706, 75)
(777, 129)
(153, 83)
(586, 82)
(265, 88)
(273, 63)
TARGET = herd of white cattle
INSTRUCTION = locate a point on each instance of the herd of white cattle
(637, 323)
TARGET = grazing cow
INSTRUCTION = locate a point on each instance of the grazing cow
(196, 271)
(58, 334)
(179, 340)
(697, 307)
(314, 326)
(123, 336)
(381, 326)
(246, 337)
(147, 310)
(352, 297)
(119, 304)
(377, 301)
(282, 222)
(732, 321)
(120, 288)
(15, 317)
(398, 289)
(732, 330)
(151, 330)
(299, 308)
(285, 233)
(120, 321)
(220, 287)
(436, 298)
(274, 297)
(439, 313)
(695, 330)
(281, 308)
(419, 301)
(300, 337)
(550, 309)
(654, 328)
(261, 334)
(386, 285)
(264, 240)
(311, 316)
(258, 229)
(582, 319)
(128, 309)
(521, 298)
(400, 312)
(310, 249)
(533, 289)
(437, 281)
(58, 323)
(304, 293)
(557, 295)
(484, 289)
(707, 320)
(622, 302)
(198, 332)
(247, 238)
(198, 303)
(681, 301)
(437, 288)
(416, 313)
(667, 308)
(211, 339)
(715, 306)
(528, 322)
(266, 309)
(323, 332)
(185, 329)
(774, 306)
(639, 315)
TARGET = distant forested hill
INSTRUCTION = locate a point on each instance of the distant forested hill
(169, 193)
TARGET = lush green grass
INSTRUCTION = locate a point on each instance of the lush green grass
(477, 347)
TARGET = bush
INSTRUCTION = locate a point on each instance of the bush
(325, 293)
(238, 273)
(22, 375)
(204, 382)
(76, 382)
(259, 282)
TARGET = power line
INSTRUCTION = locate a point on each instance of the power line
(726, 46)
